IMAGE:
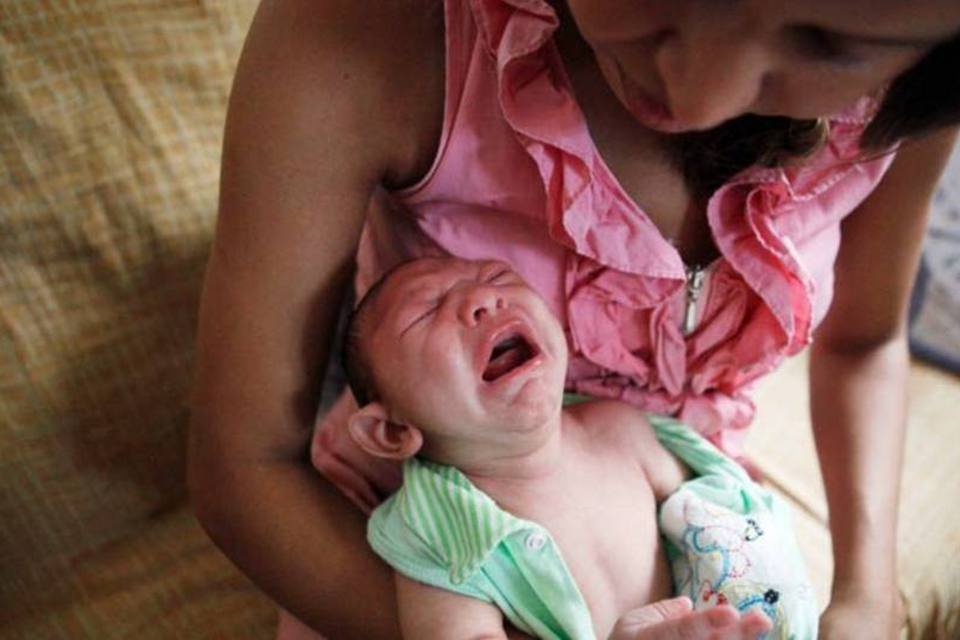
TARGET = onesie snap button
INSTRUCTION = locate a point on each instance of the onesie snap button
(535, 541)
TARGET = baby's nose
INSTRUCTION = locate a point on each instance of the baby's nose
(480, 302)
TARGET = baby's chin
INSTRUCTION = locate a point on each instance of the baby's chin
(533, 407)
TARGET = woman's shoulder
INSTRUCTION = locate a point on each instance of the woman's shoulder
(397, 37)
(368, 68)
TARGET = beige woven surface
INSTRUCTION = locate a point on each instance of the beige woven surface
(167, 581)
(782, 445)
(110, 125)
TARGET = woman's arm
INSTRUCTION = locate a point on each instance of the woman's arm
(858, 377)
(323, 111)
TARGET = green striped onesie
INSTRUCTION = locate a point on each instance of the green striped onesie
(727, 539)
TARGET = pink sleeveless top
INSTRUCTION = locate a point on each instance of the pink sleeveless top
(517, 177)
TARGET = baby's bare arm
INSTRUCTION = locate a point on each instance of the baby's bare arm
(429, 613)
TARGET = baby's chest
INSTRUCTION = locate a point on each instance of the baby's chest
(610, 543)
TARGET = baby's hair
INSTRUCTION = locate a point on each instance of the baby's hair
(356, 362)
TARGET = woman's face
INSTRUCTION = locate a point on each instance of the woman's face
(681, 65)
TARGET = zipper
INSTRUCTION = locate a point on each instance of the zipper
(695, 280)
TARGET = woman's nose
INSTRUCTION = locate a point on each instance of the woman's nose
(711, 77)
(479, 302)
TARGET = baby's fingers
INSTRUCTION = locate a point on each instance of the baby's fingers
(753, 624)
(717, 623)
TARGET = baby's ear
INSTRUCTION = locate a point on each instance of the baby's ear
(373, 432)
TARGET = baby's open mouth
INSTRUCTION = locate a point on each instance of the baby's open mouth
(509, 353)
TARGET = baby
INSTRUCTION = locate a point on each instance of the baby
(514, 506)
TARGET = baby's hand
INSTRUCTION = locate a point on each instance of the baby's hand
(675, 619)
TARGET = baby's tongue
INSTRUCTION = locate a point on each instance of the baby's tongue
(506, 356)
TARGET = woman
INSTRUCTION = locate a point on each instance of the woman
(488, 121)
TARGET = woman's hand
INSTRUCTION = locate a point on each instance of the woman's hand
(675, 619)
(862, 617)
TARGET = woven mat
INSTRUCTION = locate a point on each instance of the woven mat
(781, 444)
(110, 126)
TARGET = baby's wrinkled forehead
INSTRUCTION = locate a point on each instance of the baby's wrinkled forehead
(416, 271)
(419, 274)
(440, 267)
(405, 280)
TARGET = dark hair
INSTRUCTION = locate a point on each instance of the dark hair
(922, 99)
(709, 158)
(356, 363)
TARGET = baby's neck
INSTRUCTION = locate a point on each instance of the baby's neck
(508, 469)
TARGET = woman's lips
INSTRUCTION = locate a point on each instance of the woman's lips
(647, 109)
(650, 107)
(651, 113)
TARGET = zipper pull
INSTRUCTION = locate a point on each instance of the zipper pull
(695, 275)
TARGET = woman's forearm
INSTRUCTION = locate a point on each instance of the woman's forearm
(300, 541)
(858, 405)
